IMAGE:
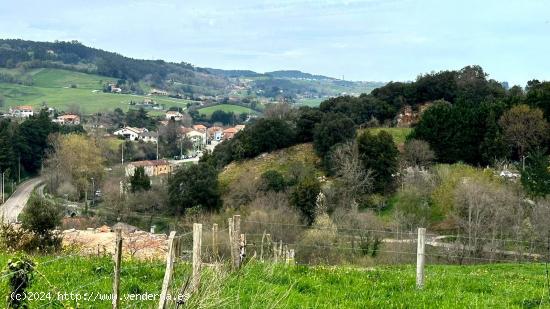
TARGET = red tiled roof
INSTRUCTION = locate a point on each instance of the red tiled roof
(149, 163)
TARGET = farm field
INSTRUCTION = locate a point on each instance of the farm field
(53, 87)
(259, 285)
(62, 98)
(237, 109)
(310, 102)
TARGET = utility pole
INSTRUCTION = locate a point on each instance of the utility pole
(122, 160)
(19, 170)
(93, 192)
(158, 137)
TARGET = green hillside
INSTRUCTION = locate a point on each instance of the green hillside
(55, 78)
(237, 109)
(265, 285)
(53, 87)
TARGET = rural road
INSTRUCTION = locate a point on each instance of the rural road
(14, 205)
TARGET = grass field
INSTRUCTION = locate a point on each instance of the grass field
(52, 86)
(237, 109)
(259, 285)
(55, 78)
(399, 134)
(63, 98)
(310, 102)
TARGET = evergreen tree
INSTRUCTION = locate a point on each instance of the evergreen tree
(535, 178)
(140, 181)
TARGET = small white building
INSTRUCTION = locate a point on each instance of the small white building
(130, 133)
(23, 111)
(176, 116)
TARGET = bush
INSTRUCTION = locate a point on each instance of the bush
(273, 181)
(20, 273)
(41, 216)
(304, 198)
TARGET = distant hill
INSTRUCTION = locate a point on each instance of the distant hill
(182, 80)
(297, 74)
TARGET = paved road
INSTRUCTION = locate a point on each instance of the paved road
(17, 201)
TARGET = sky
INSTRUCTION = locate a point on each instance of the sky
(370, 40)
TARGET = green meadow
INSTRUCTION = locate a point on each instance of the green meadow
(53, 87)
(264, 285)
(237, 109)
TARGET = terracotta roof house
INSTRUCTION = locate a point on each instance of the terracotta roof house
(200, 128)
(229, 133)
(151, 167)
(68, 119)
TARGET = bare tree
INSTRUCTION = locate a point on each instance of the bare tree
(418, 153)
(347, 166)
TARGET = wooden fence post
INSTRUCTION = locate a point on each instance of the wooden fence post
(170, 256)
(118, 260)
(197, 241)
(242, 248)
(236, 243)
(215, 241)
(420, 258)
(230, 223)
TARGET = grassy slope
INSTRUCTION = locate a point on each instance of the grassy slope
(280, 160)
(226, 108)
(52, 86)
(264, 285)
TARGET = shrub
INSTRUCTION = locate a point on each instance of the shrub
(304, 198)
(20, 273)
(273, 181)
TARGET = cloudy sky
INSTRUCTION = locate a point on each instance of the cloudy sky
(378, 40)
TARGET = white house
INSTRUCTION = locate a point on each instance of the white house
(177, 116)
(197, 138)
(24, 111)
(130, 133)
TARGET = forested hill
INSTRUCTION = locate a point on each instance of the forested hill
(80, 57)
(176, 78)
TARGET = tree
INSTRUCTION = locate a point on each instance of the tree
(41, 215)
(304, 198)
(418, 153)
(305, 124)
(76, 159)
(332, 130)
(524, 128)
(194, 186)
(535, 178)
(379, 154)
(140, 181)
(347, 167)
